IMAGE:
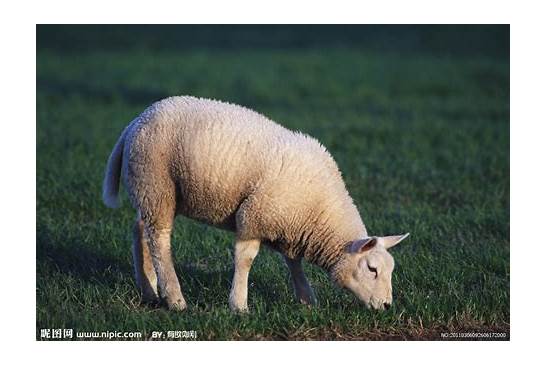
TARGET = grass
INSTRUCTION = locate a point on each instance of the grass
(422, 140)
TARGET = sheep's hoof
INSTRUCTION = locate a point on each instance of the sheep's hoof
(235, 308)
(240, 310)
(308, 301)
(177, 305)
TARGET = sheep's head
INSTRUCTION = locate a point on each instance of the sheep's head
(366, 269)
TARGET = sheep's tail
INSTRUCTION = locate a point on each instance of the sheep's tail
(110, 186)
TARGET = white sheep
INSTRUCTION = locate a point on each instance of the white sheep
(233, 168)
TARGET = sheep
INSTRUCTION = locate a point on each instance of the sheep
(233, 168)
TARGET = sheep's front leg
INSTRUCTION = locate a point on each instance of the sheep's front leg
(304, 292)
(245, 252)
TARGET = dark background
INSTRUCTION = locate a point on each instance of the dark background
(417, 118)
(456, 40)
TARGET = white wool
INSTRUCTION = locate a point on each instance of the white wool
(231, 167)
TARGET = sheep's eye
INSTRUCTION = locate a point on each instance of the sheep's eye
(373, 269)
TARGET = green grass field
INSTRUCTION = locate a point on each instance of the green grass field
(422, 139)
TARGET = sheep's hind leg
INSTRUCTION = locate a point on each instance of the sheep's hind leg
(304, 292)
(158, 231)
(145, 275)
(245, 252)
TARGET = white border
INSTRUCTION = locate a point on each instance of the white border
(279, 11)
(18, 151)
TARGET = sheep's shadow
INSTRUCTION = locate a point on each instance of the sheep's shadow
(200, 285)
(79, 260)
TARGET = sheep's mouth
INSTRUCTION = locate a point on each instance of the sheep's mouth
(379, 305)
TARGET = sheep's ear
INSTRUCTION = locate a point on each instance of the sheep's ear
(390, 241)
(362, 245)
